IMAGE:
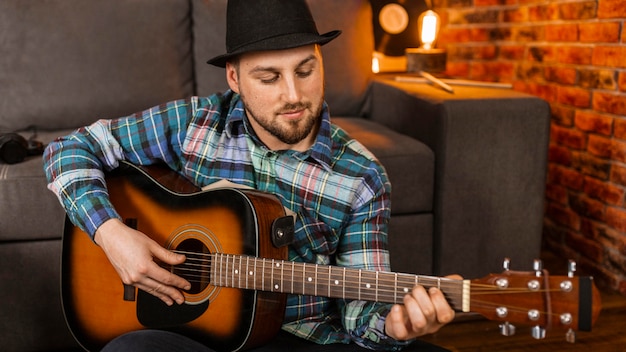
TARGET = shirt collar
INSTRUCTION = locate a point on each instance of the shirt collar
(321, 149)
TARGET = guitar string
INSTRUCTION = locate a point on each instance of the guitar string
(385, 292)
(409, 278)
(450, 286)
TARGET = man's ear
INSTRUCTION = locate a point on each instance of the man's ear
(231, 77)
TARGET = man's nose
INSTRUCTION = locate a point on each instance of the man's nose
(291, 89)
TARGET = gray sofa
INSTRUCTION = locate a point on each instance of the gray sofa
(467, 174)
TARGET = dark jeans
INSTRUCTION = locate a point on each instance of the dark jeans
(154, 340)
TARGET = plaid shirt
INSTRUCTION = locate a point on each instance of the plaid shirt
(337, 188)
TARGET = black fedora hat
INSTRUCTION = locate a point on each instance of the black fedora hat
(260, 25)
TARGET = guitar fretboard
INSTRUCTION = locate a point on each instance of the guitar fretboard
(282, 276)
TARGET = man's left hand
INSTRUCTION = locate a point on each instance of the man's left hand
(423, 312)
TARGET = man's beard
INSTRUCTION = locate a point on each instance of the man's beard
(294, 131)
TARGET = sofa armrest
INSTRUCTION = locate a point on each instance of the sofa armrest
(490, 166)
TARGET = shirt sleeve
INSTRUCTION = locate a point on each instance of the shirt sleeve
(75, 165)
(364, 245)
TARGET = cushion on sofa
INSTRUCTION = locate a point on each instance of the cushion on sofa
(347, 59)
(29, 211)
(409, 163)
(49, 49)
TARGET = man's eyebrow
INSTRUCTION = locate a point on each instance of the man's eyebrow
(275, 69)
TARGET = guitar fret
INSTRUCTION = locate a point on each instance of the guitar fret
(293, 279)
(395, 287)
(272, 283)
(344, 284)
(262, 275)
(359, 284)
(228, 270)
(315, 283)
(376, 289)
(247, 269)
(233, 272)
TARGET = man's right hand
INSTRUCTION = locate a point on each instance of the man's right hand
(133, 255)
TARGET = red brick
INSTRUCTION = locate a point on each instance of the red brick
(561, 32)
(598, 79)
(618, 175)
(545, 54)
(530, 72)
(610, 102)
(563, 115)
(557, 193)
(457, 69)
(600, 32)
(480, 34)
(618, 151)
(591, 121)
(492, 71)
(518, 14)
(620, 128)
(530, 33)
(562, 75)
(559, 155)
(616, 218)
(544, 91)
(577, 97)
(589, 248)
(568, 137)
(512, 52)
(590, 165)
(611, 8)
(611, 238)
(600, 146)
(454, 35)
(587, 207)
(543, 12)
(578, 10)
(617, 259)
(569, 178)
(563, 216)
(489, 2)
(611, 56)
(587, 228)
(621, 81)
(603, 191)
(576, 55)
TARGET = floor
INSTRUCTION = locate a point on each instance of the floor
(479, 334)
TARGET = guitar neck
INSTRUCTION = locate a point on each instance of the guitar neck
(246, 272)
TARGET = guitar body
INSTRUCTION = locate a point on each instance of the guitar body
(99, 307)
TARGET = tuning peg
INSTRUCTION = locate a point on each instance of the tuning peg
(507, 329)
(506, 264)
(538, 267)
(570, 336)
(538, 332)
(571, 268)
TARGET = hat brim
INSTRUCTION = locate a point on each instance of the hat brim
(277, 43)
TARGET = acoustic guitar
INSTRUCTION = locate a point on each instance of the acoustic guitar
(236, 242)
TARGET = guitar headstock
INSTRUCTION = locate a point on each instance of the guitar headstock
(537, 299)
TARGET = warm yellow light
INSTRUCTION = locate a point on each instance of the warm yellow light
(375, 65)
(428, 27)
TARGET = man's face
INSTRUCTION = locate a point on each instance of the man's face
(283, 92)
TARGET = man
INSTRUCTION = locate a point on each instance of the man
(270, 131)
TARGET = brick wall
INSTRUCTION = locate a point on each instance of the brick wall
(571, 53)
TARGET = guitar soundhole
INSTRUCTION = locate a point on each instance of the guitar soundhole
(197, 268)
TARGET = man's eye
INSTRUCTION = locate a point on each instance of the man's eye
(269, 80)
(304, 74)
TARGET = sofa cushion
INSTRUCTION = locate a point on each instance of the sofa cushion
(409, 163)
(49, 49)
(29, 211)
(31, 318)
(347, 59)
